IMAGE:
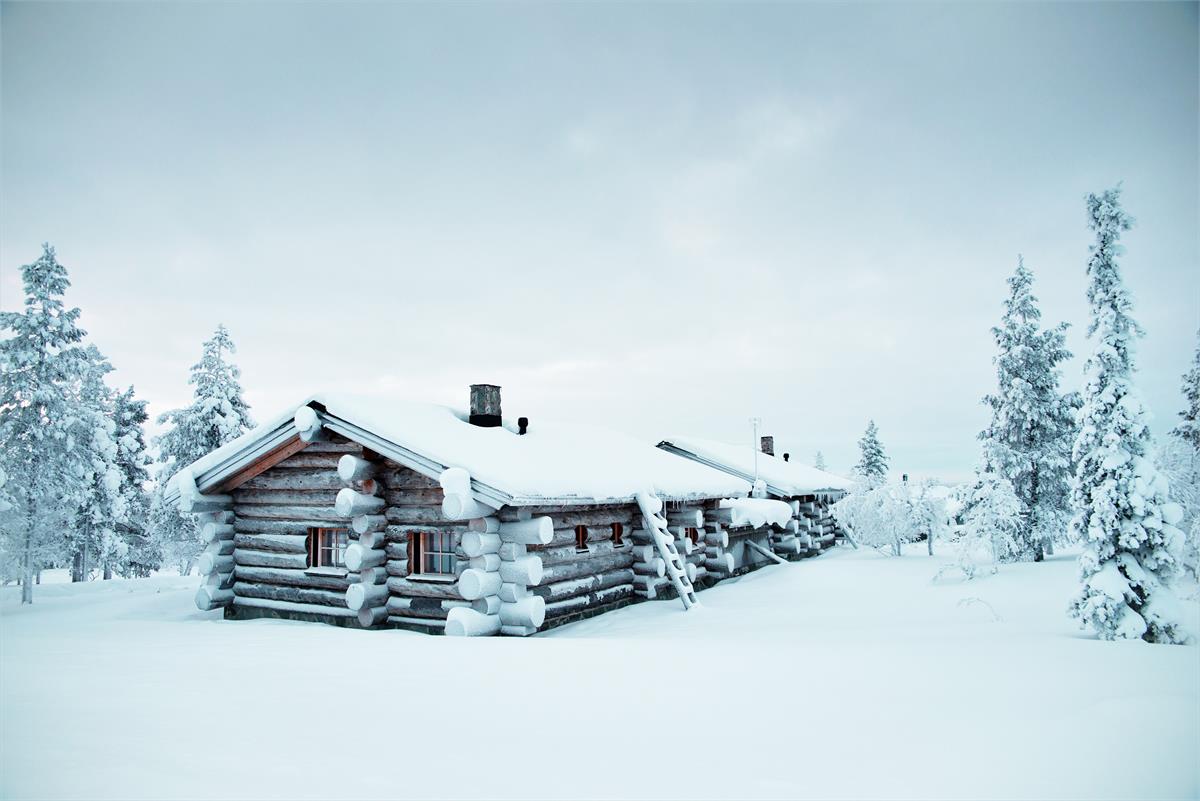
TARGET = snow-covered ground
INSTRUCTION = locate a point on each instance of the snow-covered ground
(851, 675)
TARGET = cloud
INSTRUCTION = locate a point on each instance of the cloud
(583, 142)
(777, 128)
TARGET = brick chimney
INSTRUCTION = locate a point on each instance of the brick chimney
(485, 405)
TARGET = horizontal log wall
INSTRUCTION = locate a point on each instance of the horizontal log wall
(274, 511)
(574, 581)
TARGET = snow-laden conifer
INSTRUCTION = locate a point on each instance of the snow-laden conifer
(42, 432)
(95, 538)
(129, 416)
(1189, 429)
(1179, 461)
(819, 461)
(1028, 440)
(872, 464)
(1121, 509)
(1178, 457)
(216, 415)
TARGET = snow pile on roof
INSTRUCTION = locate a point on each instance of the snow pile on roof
(553, 460)
(793, 478)
(757, 512)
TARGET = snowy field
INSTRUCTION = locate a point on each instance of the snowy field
(851, 675)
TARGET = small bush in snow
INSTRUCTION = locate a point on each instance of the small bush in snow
(994, 525)
(888, 516)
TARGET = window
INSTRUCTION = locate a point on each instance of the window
(581, 536)
(618, 536)
(327, 547)
(431, 553)
(693, 534)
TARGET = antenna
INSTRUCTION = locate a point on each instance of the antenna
(755, 422)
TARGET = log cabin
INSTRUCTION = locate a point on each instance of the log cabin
(807, 491)
(385, 514)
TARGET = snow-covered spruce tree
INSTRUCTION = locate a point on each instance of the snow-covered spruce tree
(1121, 510)
(10, 565)
(872, 464)
(1178, 457)
(1180, 463)
(1189, 429)
(216, 415)
(102, 508)
(1029, 438)
(819, 461)
(41, 428)
(129, 415)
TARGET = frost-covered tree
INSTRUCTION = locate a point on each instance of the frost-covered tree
(1179, 461)
(42, 432)
(1121, 509)
(129, 416)
(102, 508)
(927, 512)
(1028, 440)
(996, 519)
(872, 464)
(1178, 457)
(216, 415)
(992, 525)
(1189, 429)
(887, 516)
(819, 461)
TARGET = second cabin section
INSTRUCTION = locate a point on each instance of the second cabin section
(808, 492)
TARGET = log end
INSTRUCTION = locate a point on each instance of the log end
(462, 621)
(306, 420)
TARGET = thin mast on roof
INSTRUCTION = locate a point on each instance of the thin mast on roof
(754, 421)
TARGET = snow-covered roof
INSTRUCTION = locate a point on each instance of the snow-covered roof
(784, 479)
(552, 463)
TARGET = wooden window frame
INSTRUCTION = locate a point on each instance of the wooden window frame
(431, 556)
(693, 534)
(319, 551)
(581, 539)
(618, 534)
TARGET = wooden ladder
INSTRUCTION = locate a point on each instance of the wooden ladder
(656, 525)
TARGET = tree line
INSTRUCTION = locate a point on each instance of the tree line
(76, 489)
(1061, 467)
(1055, 467)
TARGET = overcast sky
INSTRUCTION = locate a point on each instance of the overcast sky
(669, 218)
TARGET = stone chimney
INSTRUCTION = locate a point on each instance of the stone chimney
(768, 446)
(485, 405)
